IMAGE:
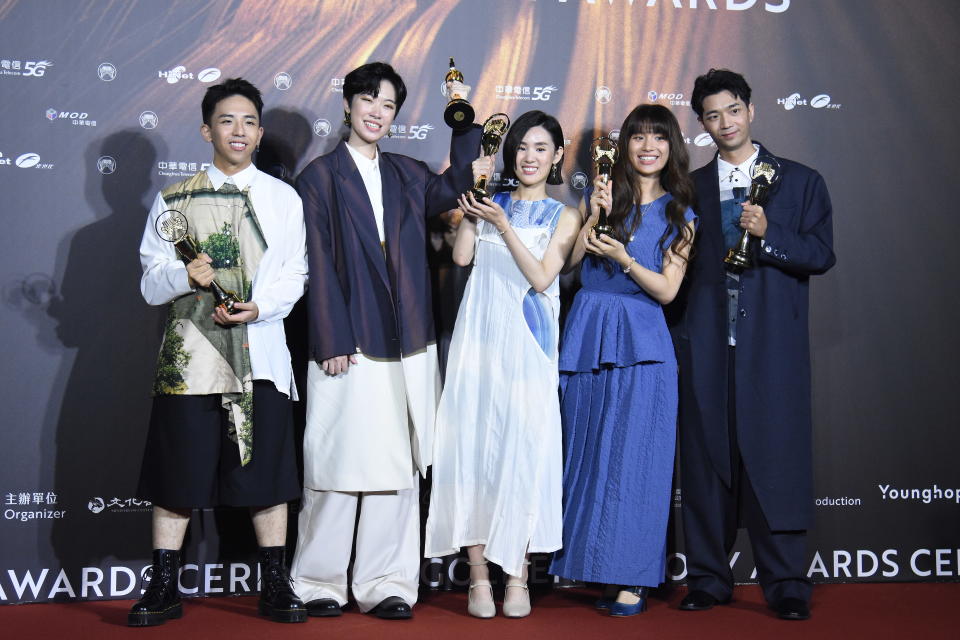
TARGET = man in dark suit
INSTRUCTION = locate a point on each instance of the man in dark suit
(744, 356)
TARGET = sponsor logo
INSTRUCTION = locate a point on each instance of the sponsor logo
(175, 75)
(178, 169)
(925, 495)
(76, 118)
(4, 161)
(336, 86)
(524, 92)
(673, 98)
(704, 140)
(106, 165)
(23, 506)
(579, 180)
(771, 6)
(149, 120)
(410, 132)
(24, 68)
(819, 101)
(603, 94)
(283, 81)
(32, 161)
(210, 74)
(117, 505)
(322, 127)
(107, 71)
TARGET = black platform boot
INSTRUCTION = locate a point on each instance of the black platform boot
(277, 598)
(161, 600)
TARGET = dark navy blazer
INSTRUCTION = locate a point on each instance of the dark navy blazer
(773, 406)
(359, 300)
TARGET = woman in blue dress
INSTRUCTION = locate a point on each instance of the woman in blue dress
(618, 370)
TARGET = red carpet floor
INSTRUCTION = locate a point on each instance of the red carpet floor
(909, 611)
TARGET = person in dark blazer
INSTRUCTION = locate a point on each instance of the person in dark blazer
(373, 382)
(744, 356)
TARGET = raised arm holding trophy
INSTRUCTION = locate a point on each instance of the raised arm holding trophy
(603, 151)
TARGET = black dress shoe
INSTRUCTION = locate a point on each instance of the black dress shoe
(393, 608)
(698, 600)
(161, 600)
(277, 598)
(323, 608)
(793, 609)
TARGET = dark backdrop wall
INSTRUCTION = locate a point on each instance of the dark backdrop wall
(100, 109)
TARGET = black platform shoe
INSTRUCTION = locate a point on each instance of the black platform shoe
(277, 598)
(161, 600)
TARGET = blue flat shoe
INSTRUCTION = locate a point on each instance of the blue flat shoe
(603, 604)
(620, 610)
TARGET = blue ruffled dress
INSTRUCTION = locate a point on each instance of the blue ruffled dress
(618, 381)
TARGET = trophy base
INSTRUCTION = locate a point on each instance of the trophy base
(459, 115)
(480, 194)
(605, 229)
(738, 260)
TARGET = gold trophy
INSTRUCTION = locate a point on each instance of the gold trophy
(172, 226)
(604, 151)
(459, 113)
(764, 175)
(494, 129)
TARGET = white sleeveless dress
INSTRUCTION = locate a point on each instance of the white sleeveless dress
(497, 463)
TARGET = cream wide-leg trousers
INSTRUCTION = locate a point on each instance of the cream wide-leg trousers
(387, 561)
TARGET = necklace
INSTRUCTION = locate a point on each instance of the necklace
(643, 211)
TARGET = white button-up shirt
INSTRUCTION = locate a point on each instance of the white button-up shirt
(277, 285)
(370, 173)
(735, 175)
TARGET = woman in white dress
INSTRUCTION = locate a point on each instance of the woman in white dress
(497, 468)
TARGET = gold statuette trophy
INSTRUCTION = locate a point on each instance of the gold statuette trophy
(172, 226)
(459, 113)
(604, 151)
(764, 175)
(493, 131)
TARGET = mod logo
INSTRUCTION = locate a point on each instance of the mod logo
(28, 160)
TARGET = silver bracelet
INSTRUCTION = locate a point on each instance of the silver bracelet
(629, 264)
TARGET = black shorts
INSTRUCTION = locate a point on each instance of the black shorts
(190, 462)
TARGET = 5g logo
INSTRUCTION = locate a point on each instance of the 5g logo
(419, 131)
(542, 93)
(36, 69)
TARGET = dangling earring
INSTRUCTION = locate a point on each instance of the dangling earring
(389, 133)
(346, 118)
(555, 177)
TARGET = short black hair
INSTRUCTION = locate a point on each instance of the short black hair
(227, 88)
(715, 81)
(521, 125)
(366, 79)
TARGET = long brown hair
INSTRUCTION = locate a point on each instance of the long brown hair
(675, 177)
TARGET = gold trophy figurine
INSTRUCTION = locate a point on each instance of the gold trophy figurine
(764, 174)
(459, 113)
(494, 129)
(172, 226)
(604, 151)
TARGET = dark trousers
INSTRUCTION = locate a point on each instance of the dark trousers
(712, 513)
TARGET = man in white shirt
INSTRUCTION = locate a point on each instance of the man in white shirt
(221, 430)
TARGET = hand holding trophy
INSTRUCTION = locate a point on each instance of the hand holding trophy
(604, 151)
(172, 226)
(459, 113)
(494, 129)
(765, 173)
